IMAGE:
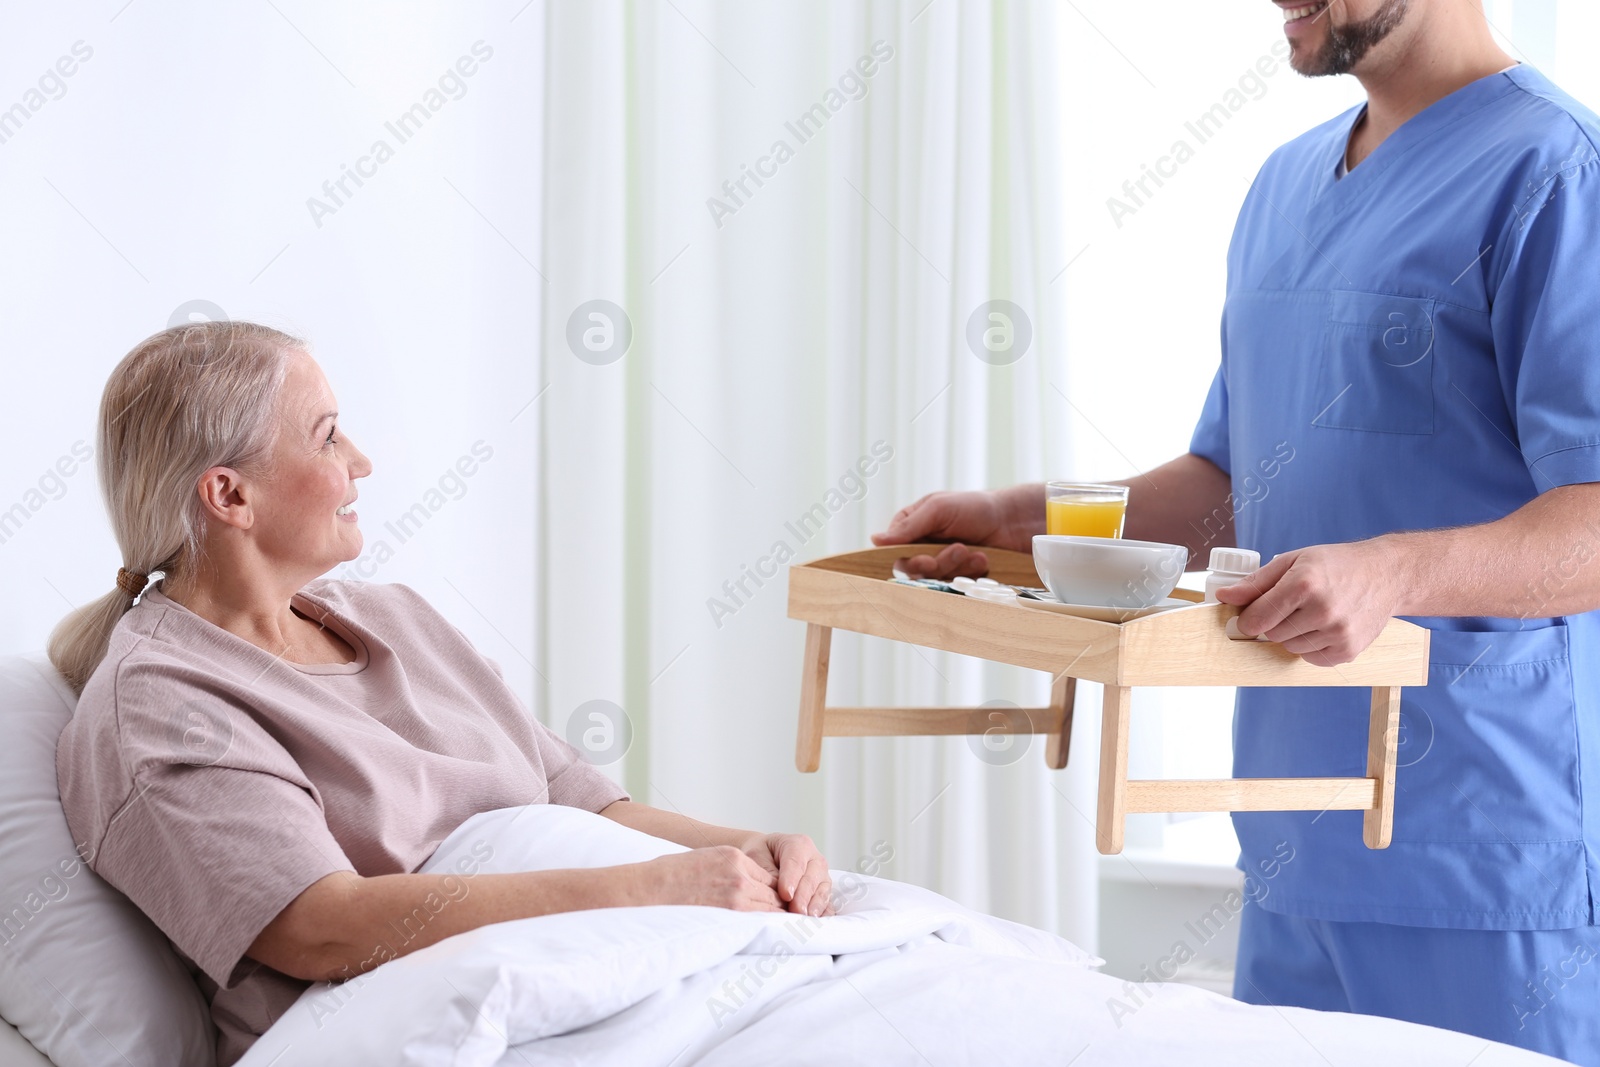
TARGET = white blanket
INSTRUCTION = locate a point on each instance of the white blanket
(902, 975)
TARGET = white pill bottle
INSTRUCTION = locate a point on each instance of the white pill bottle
(1229, 565)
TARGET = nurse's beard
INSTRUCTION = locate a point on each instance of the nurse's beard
(1346, 45)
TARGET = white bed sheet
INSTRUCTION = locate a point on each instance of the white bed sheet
(904, 976)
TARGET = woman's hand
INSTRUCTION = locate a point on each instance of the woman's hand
(791, 872)
(719, 877)
(798, 870)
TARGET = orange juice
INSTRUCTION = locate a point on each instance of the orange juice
(1084, 518)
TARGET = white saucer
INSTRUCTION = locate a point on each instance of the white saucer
(1101, 613)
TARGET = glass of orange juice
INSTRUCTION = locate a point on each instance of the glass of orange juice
(1085, 509)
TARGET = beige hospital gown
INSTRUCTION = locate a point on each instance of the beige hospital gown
(212, 782)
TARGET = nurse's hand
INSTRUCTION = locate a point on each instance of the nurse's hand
(801, 874)
(1002, 519)
(1325, 603)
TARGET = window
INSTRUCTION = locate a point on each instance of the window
(1155, 177)
(1155, 174)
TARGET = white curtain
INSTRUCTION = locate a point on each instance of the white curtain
(796, 209)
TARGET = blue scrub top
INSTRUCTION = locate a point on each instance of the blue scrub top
(1421, 340)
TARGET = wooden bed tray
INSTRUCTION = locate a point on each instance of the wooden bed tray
(1185, 646)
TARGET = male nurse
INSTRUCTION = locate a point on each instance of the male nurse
(1406, 422)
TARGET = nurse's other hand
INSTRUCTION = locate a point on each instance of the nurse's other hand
(970, 517)
(1325, 603)
(803, 883)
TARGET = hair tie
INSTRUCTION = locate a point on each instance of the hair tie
(131, 582)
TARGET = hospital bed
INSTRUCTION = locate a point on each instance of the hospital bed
(85, 974)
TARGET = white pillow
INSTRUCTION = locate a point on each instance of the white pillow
(84, 975)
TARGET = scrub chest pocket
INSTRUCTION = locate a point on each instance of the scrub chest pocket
(1376, 371)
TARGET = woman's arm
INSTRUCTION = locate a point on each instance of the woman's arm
(803, 883)
(343, 925)
(671, 826)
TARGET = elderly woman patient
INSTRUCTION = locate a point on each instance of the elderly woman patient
(260, 758)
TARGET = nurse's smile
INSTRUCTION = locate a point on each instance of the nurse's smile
(1333, 36)
(1298, 17)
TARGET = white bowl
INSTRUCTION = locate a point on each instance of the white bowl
(1108, 571)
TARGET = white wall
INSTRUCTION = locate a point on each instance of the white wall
(177, 165)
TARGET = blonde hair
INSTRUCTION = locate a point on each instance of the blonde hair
(187, 399)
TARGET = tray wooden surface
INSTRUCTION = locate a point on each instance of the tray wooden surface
(1184, 646)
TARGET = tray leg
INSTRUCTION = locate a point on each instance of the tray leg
(1062, 692)
(1383, 741)
(1112, 813)
(813, 697)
